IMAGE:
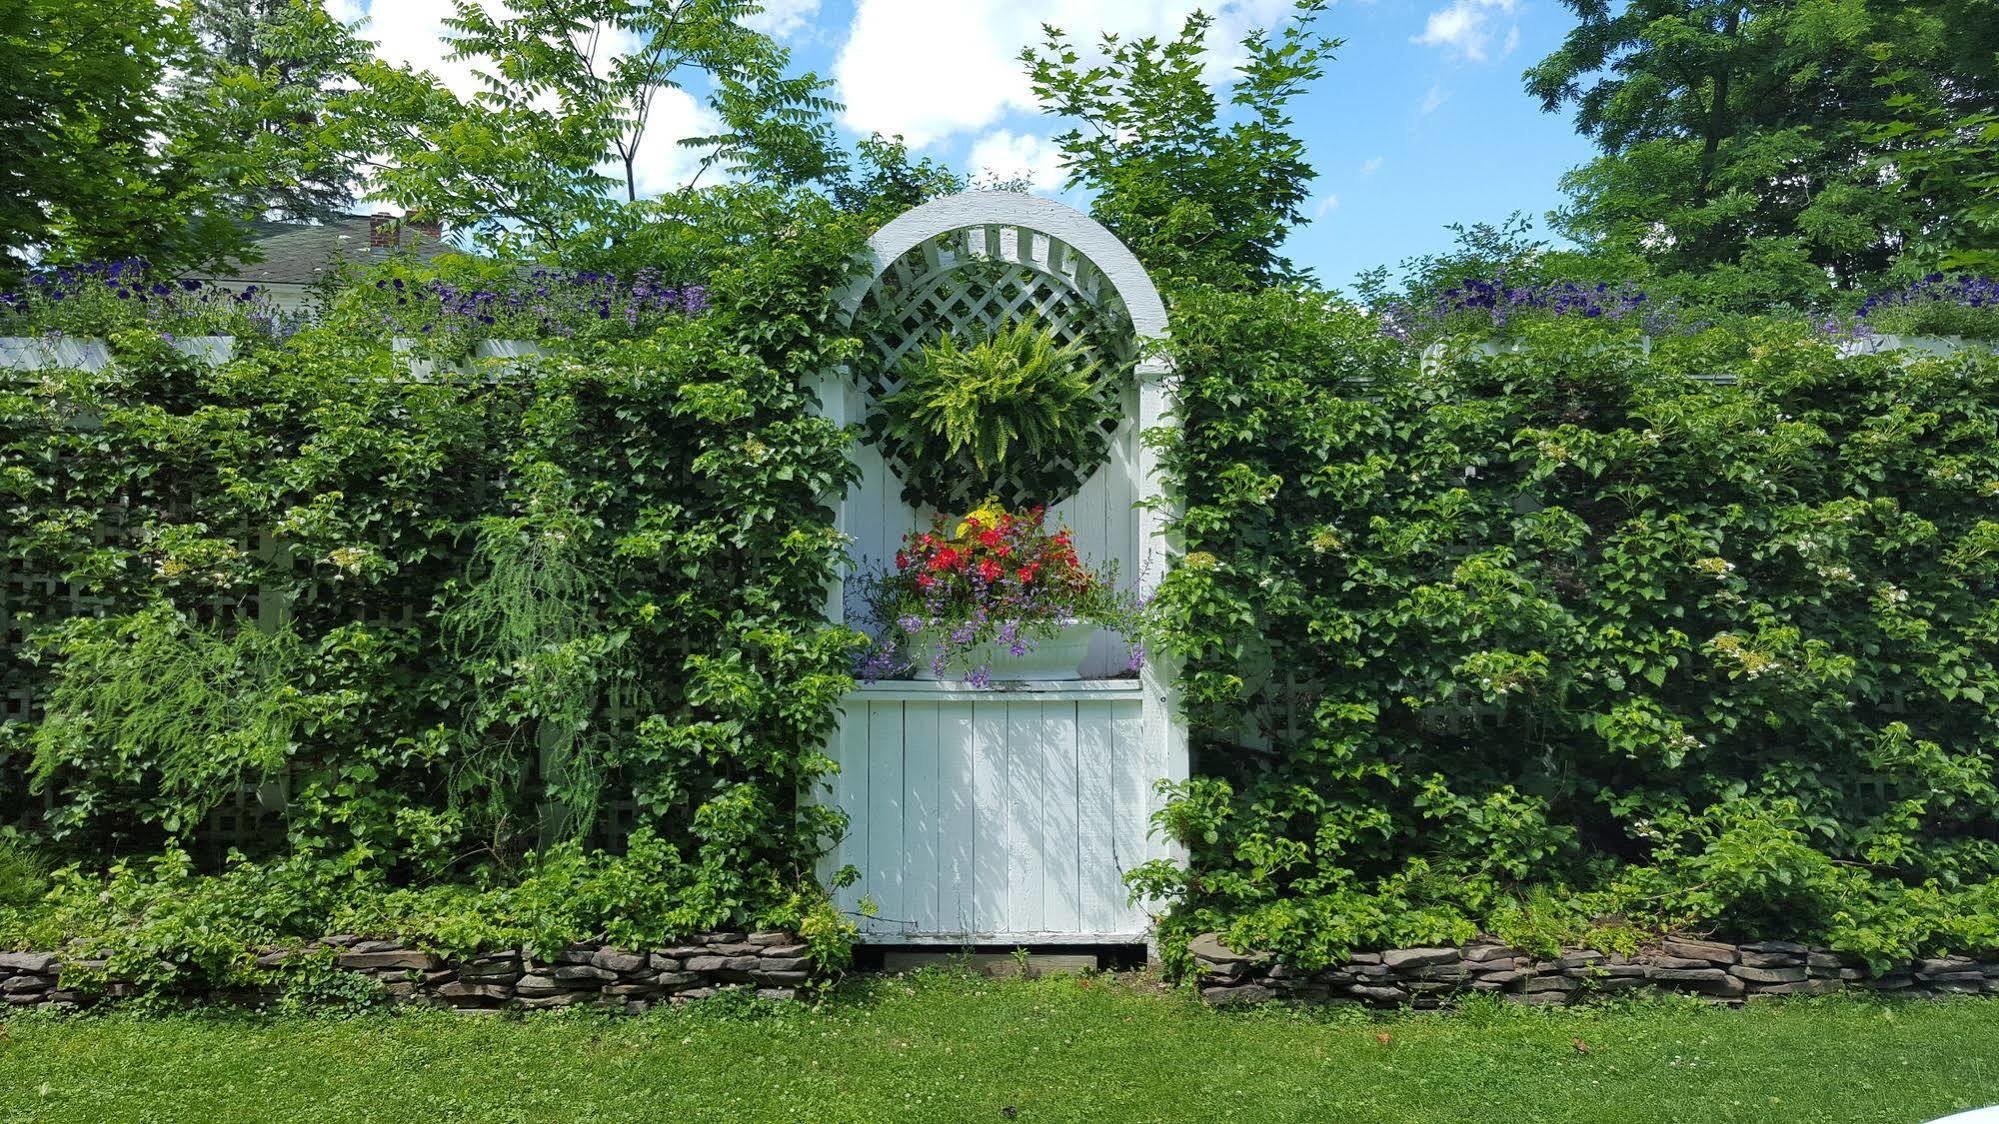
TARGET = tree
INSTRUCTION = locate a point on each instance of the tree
(271, 78)
(1198, 197)
(1950, 162)
(571, 88)
(1734, 132)
(884, 182)
(86, 174)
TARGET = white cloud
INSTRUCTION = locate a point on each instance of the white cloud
(1008, 155)
(1465, 28)
(346, 11)
(1371, 166)
(928, 69)
(412, 31)
(1327, 206)
(783, 18)
(1433, 100)
(663, 164)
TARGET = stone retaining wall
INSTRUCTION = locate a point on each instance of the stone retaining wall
(774, 965)
(1430, 977)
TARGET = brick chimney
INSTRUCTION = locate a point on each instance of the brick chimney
(429, 228)
(383, 230)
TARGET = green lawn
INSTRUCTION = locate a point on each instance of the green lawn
(944, 1048)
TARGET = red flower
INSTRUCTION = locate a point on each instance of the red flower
(925, 581)
(992, 538)
(991, 570)
(901, 560)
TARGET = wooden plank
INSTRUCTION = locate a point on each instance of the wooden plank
(1102, 892)
(850, 795)
(1061, 895)
(1025, 822)
(922, 827)
(964, 694)
(958, 821)
(884, 814)
(989, 805)
(1131, 793)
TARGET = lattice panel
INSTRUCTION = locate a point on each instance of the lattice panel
(973, 281)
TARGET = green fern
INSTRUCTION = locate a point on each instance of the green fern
(152, 695)
(529, 630)
(968, 419)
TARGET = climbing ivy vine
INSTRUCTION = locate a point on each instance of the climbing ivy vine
(417, 628)
(1567, 637)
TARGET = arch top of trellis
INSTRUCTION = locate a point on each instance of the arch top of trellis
(1073, 258)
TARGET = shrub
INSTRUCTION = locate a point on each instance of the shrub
(1479, 305)
(426, 630)
(446, 306)
(104, 298)
(1567, 641)
(166, 926)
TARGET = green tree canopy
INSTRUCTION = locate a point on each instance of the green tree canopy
(270, 80)
(1737, 134)
(536, 159)
(81, 117)
(1204, 187)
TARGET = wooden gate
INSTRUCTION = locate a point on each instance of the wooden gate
(1007, 814)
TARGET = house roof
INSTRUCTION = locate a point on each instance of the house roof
(301, 253)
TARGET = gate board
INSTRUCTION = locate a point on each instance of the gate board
(997, 816)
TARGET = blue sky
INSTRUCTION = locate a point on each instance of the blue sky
(1421, 122)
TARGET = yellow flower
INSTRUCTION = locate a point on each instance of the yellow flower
(984, 518)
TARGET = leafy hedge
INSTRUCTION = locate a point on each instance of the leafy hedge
(1558, 638)
(1561, 639)
(444, 622)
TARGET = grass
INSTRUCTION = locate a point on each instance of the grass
(940, 1047)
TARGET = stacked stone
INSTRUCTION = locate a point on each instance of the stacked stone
(32, 979)
(774, 965)
(1426, 978)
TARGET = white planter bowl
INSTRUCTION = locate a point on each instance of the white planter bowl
(1054, 658)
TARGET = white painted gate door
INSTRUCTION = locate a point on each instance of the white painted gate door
(1011, 819)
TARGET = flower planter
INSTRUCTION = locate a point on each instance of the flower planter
(1054, 658)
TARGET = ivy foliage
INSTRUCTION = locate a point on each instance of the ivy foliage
(429, 625)
(1568, 639)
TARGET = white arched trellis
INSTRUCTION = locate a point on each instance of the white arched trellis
(1006, 814)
